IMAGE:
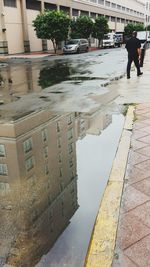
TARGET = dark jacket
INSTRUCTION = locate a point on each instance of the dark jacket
(132, 46)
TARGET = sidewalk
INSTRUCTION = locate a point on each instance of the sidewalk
(121, 237)
(133, 237)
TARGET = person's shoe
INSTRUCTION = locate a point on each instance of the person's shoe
(128, 77)
(139, 74)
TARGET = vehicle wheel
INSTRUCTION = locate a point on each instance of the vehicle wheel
(78, 50)
(87, 49)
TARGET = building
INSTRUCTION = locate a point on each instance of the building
(17, 34)
(147, 12)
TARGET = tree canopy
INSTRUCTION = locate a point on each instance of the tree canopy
(52, 25)
(81, 27)
(131, 27)
(100, 28)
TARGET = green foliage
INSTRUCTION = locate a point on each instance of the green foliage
(52, 25)
(131, 27)
(139, 27)
(147, 28)
(82, 27)
(100, 28)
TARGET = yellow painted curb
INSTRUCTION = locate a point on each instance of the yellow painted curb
(101, 249)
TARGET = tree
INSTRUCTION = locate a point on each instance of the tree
(100, 28)
(131, 27)
(52, 25)
(82, 27)
(139, 27)
(147, 28)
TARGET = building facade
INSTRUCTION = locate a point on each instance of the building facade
(17, 33)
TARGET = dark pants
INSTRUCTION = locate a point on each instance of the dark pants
(136, 62)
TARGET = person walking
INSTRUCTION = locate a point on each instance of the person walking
(133, 47)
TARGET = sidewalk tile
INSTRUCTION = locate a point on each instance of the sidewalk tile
(144, 151)
(135, 144)
(139, 125)
(140, 252)
(142, 213)
(123, 261)
(133, 198)
(146, 121)
(145, 139)
(136, 157)
(138, 134)
(135, 174)
(131, 230)
(143, 186)
(145, 166)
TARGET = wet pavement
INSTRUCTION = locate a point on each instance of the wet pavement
(56, 153)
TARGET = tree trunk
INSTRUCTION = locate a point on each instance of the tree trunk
(54, 45)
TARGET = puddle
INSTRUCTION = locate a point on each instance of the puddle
(49, 197)
(57, 145)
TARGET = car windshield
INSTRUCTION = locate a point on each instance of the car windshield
(72, 42)
(106, 37)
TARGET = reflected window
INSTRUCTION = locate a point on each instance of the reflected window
(70, 133)
(71, 163)
(60, 158)
(59, 142)
(44, 135)
(3, 169)
(29, 163)
(70, 119)
(10, 3)
(46, 169)
(4, 188)
(60, 172)
(70, 148)
(46, 152)
(58, 126)
(27, 145)
(32, 181)
(2, 151)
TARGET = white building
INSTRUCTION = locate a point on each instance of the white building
(17, 34)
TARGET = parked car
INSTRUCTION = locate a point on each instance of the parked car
(76, 46)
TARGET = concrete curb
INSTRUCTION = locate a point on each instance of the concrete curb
(102, 245)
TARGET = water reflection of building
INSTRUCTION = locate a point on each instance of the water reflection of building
(92, 123)
(38, 184)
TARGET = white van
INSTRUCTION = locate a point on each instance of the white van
(108, 40)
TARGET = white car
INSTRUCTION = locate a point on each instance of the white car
(76, 46)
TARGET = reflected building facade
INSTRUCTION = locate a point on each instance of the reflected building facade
(38, 184)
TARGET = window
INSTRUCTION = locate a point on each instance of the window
(29, 163)
(44, 135)
(101, 2)
(33, 5)
(2, 151)
(60, 172)
(10, 3)
(60, 158)
(113, 5)
(3, 169)
(107, 3)
(27, 145)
